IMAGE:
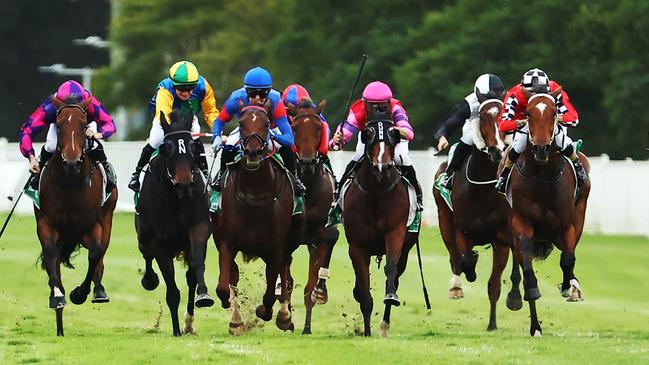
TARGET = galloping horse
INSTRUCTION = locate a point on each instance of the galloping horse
(71, 210)
(255, 216)
(547, 205)
(375, 214)
(320, 184)
(172, 218)
(479, 214)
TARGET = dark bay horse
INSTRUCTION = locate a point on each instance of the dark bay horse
(320, 184)
(480, 213)
(375, 213)
(71, 210)
(172, 218)
(547, 208)
(255, 217)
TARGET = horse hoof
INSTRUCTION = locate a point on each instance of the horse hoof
(514, 301)
(263, 314)
(150, 282)
(99, 295)
(384, 329)
(574, 292)
(285, 325)
(77, 296)
(319, 296)
(203, 301)
(455, 293)
(536, 333)
(392, 299)
(306, 331)
(492, 327)
(236, 329)
(57, 302)
(471, 276)
(532, 294)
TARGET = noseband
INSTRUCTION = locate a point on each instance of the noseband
(263, 142)
(531, 138)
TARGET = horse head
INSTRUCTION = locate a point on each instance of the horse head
(486, 135)
(254, 129)
(71, 121)
(380, 139)
(541, 116)
(307, 128)
(177, 150)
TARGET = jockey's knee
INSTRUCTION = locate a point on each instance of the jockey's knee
(513, 155)
(569, 150)
(467, 139)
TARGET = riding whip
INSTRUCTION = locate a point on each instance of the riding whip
(14, 207)
(421, 272)
(351, 95)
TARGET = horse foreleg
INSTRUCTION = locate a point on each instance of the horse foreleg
(445, 217)
(514, 299)
(500, 257)
(468, 256)
(284, 316)
(198, 236)
(394, 241)
(236, 326)
(323, 257)
(273, 268)
(309, 293)
(191, 293)
(401, 267)
(150, 279)
(570, 287)
(52, 263)
(99, 293)
(530, 285)
(361, 263)
(95, 254)
(166, 265)
(226, 260)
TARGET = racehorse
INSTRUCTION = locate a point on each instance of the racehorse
(172, 218)
(320, 183)
(71, 210)
(480, 213)
(255, 216)
(375, 213)
(548, 207)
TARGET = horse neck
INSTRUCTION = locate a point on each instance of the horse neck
(59, 177)
(256, 182)
(369, 181)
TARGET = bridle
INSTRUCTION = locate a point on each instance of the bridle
(318, 156)
(263, 142)
(166, 160)
(85, 126)
(531, 138)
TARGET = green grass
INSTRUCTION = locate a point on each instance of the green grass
(611, 326)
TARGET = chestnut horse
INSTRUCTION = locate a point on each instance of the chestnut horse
(320, 183)
(172, 218)
(547, 206)
(479, 214)
(375, 213)
(255, 216)
(71, 210)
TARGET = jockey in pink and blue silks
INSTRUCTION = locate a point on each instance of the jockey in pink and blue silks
(293, 94)
(257, 86)
(378, 96)
(100, 126)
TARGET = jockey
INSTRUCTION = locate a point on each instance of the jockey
(184, 89)
(100, 126)
(512, 120)
(378, 96)
(293, 94)
(487, 86)
(257, 85)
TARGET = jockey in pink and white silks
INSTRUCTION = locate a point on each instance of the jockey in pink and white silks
(100, 126)
(487, 86)
(377, 96)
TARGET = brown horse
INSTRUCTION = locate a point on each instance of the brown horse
(320, 183)
(479, 214)
(547, 206)
(255, 216)
(172, 218)
(71, 210)
(375, 214)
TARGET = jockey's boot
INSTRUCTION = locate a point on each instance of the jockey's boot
(201, 159)
(147, 151)
(327, 162)
(351, 166)
(227, 156)
(410, 174)
(98, 155)
(582, 175)
(461, 151)
(512, 156)
(42, 160)
(290, 161)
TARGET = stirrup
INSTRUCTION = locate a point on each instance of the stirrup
(134, 184)
(501, 184)
(34, 180)
(448, 181)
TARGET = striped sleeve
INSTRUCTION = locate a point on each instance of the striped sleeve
(105, 123)
(506, 121)
(400, 118)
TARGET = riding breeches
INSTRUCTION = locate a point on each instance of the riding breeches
(561, 139)
(157, 134)
(52, 137)
(467, 133)
(401, 152)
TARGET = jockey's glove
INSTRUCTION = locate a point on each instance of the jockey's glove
(217, 144)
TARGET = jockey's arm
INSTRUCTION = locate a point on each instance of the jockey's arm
(208, 105)
(566, 110)
(229, 109)
(33, 125)
(164, 102)
(105, 123)
(506, 121)
(281, 121)
(460, 113)
(402, 123)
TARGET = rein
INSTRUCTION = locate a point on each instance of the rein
(474, 182)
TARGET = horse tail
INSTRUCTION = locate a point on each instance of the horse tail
(541, 249)
(66, 255)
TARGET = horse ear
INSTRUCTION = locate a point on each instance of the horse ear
(556, 92)
(321, 107)
(291, 109)
(526, 93)
(57, 103)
